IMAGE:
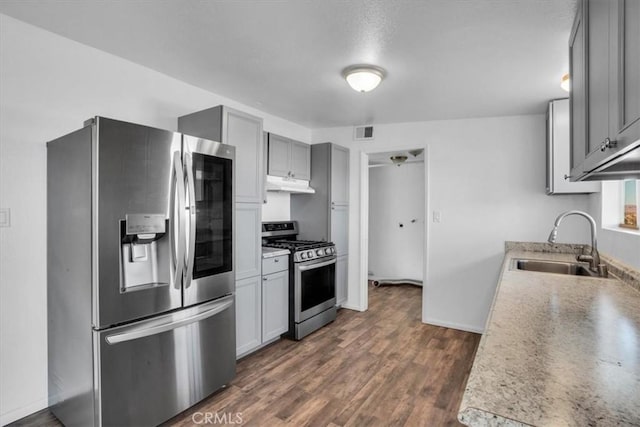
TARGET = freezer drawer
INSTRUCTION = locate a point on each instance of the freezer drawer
(154, 369)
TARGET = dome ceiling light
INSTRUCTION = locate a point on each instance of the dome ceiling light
(363, 78)
(398, 160)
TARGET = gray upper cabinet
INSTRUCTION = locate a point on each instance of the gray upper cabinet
(288, 158)
(578, 100)
(278, 163)
(300, 160)
(605, 67)
(316, 212)
(339, 175)
(241, 130)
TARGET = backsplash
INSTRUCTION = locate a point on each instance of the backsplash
(278, 207)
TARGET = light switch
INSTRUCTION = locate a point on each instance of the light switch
(5, 217)
(436, 216)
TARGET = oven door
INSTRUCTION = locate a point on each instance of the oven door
(314, 287)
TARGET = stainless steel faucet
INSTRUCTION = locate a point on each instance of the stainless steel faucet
(594, 258)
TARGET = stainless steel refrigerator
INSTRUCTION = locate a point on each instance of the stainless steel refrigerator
(140, 273)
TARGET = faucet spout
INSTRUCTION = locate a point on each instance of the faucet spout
(594, 258)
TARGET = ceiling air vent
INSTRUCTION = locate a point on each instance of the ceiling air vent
(363, 133)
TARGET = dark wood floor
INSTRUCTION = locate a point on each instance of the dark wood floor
(382, 367)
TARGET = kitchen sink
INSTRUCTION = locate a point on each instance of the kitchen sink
(556, 267)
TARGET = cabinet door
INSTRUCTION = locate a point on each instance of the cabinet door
(578, 99)
(627, 64)
(248, 249)
(342, 274)
(275, 305)
(339, 175)
(279, 152)
(340, 228)
(300, 160)
(248, 316)
(598, 60)
(244, 131)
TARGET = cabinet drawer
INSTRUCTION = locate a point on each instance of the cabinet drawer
(275, 264)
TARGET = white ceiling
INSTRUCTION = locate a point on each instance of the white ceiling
(445, 59)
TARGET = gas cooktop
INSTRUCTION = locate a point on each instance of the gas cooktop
(282, 235)
(297, 245)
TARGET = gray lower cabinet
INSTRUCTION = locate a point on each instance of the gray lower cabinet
(262, 306)
(288, 158)
(248, 318)
(275, 299)
(248, 244)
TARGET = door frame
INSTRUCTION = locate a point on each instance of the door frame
(364, 221)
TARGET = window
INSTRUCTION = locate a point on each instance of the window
(629, 204)
(620, 206)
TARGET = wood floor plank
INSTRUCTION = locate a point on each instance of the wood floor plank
(382, 367)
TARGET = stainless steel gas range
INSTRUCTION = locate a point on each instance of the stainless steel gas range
(312, 277)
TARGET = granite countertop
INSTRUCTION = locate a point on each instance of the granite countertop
(558, 350)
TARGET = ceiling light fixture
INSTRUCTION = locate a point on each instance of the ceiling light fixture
(565, 83)
(398, 160)
(363, 78)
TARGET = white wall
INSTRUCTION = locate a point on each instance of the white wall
(278, 207)
(396, 196)
(49, 85)
(486, 177)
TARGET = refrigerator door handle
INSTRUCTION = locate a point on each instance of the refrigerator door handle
(191, 240)
(177, 235)
(146, 331)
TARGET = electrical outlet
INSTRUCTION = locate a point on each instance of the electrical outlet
(436, 216)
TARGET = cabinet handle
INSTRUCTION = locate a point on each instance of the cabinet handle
(276, 260)
(608, 143)
(264, 278)
(566, 176)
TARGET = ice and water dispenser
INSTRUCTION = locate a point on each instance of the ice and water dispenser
(144, 252)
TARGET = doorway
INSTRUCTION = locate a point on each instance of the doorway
(393, 219)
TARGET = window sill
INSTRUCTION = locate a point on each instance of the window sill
(623, 230)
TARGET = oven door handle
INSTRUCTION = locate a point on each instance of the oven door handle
(318, 265)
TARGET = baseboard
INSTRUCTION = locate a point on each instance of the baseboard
(465, 328)
(352, 307)
(16, 414)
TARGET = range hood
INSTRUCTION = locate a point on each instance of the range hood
(288, 185)
(624, 166)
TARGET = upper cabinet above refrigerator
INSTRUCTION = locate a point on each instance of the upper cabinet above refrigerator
(241, 130)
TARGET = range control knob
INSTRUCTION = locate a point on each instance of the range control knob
(310, 254)
(327, 251)
(319, 252)
(303, 255)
